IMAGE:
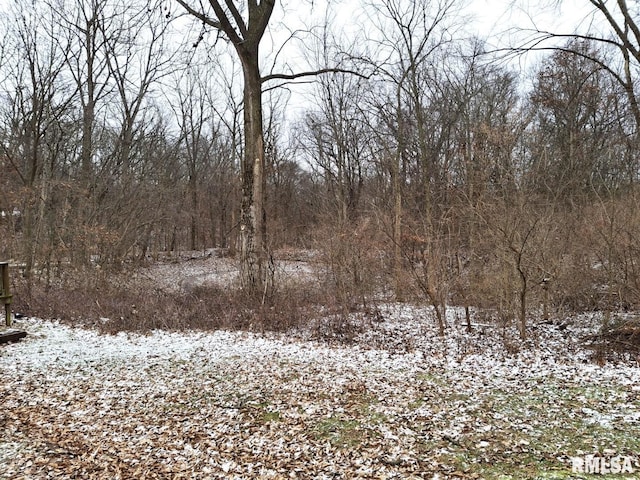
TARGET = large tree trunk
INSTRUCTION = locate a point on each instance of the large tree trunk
(253, 231)
(245, 35)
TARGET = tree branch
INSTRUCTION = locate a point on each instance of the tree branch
(295, 76)
(620, 32)
(199, 15)
(536, 45)
(259, 15)
(225, 25)
(237, 17)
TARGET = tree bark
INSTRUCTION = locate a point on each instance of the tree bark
(253, 231)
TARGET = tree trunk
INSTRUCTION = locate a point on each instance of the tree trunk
(523, 299)
(193, 187)
(397, 228)
(253, 231)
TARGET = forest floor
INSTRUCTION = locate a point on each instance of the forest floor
(397, 402)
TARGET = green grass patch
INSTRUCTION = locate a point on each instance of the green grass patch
(533, 432)
(340, 432)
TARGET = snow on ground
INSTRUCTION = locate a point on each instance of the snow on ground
(211, 268)
(399, 402)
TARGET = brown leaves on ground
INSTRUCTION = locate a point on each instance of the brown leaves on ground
(76, 404)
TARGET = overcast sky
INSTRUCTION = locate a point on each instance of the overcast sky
(501, 22)
(495, 20)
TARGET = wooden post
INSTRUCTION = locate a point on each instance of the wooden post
(5, 291)
(545, 299)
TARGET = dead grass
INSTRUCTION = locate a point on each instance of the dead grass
(125, 302)
(330, 295)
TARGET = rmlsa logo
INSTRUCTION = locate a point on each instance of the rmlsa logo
(601, 465)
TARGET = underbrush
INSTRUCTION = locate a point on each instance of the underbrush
(322, 305)
(113, 304)
(616, 340)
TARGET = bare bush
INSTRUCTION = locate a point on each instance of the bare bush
(113, 303)
(353, 266)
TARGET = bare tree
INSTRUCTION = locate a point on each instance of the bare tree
(245, 33)
(337, 133)
(577, 122)
(413, 36)
(244, 26)
(613, 25)
(83, 43)
(194, 119)
(38, 119)
(135, 67)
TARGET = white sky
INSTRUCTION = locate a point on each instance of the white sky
(494, 19)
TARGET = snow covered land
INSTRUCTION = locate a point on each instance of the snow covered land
(399, 402)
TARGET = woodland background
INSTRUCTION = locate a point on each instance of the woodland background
(443, 173)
